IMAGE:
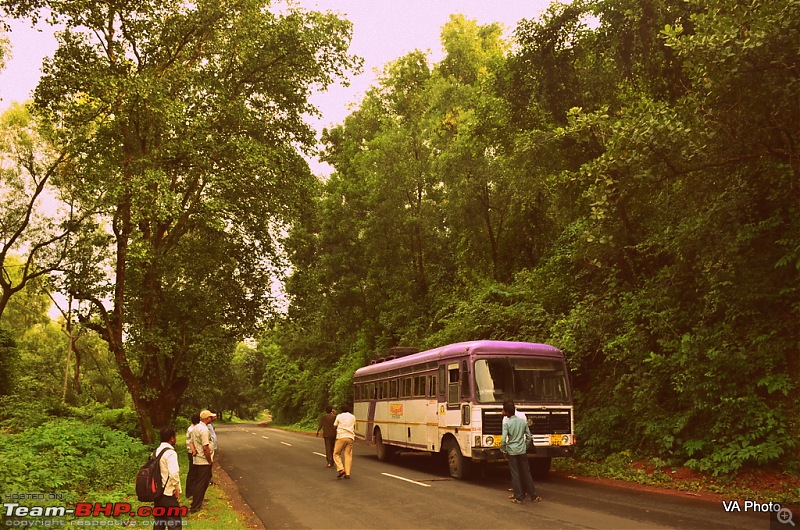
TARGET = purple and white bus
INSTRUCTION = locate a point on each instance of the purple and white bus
(448, 401)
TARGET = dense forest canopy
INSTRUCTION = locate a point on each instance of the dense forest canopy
(621, 179)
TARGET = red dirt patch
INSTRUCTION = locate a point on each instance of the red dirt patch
(685, 474)
(688, 483)
(767, 480)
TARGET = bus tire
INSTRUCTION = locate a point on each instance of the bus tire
(540, 467)
(385, 452)
(460, 468)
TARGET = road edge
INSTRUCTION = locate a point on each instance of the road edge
(228, 486)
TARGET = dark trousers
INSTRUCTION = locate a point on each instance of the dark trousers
(330, 443)
(190, 477)
(168, 520)
(521, 477)
(202, 478)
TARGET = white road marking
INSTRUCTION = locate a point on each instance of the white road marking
(407, 480)
(284, 443)
(265, 437)
(320, 454)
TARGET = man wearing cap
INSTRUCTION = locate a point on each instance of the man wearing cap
(202, 460)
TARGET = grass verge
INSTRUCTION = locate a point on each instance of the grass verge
(218, 508)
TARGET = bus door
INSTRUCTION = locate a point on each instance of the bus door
(452, 408)
(370, 420)
(431, 415)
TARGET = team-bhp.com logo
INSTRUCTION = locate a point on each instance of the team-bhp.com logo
(87, 509)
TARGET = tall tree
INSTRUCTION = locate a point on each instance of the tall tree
(186, 120)
(466, 127)
(5, 47)
(36, 217)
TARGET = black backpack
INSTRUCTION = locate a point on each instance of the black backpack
(148, 480)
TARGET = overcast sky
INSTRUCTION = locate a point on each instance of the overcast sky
(383, 30)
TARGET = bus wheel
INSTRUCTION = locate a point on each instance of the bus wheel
(458, 466)
(385, 452)
(540, 467)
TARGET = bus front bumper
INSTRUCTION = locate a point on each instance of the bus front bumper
(490, 454)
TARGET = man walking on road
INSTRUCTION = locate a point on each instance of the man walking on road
(345, 424)
(514, 446)
(328, 432)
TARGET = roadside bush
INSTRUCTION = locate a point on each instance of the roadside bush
(9, 356)
(69, 457)
(122, 420)
(20, 413)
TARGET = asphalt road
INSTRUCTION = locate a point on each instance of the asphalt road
(283, 477)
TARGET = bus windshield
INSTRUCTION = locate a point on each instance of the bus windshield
(520, 380)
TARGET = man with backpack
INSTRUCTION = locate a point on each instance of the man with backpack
(169, 516)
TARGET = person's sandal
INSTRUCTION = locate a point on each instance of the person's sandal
(516, 501)
(537, 499)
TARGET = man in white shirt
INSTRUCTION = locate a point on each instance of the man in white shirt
(345, 436)
(166, 507)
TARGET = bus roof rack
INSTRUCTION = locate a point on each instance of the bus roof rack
(402, 351)
(394, 353)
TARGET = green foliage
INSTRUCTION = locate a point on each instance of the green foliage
(21, 412)
(172, 114)
(69, 456)
(625, 190)
(8, 362)
(122, 420)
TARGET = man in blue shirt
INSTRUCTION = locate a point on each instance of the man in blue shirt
(514, 446)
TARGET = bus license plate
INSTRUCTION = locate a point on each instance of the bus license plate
(555, 439)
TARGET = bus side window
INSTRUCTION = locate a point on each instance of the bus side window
(405, 389)
(419, 386)
(432, 386)
(442, 379)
